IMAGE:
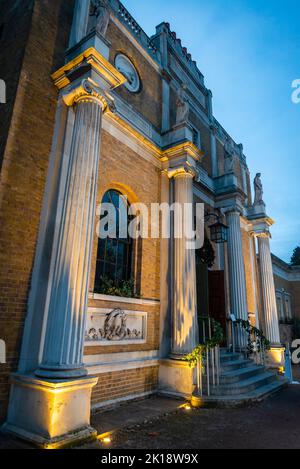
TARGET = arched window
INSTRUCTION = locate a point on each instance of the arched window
(114, 255)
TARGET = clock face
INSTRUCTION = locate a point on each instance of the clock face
(126, 67)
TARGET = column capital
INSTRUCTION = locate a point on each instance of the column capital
(181, 171)
(261, 227)
(88, 91)
(233, 209)
(181, 160)
(232, 204)
(261, 234)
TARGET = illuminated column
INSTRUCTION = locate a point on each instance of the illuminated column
(184, 317)
(268, 289)
(237, 278)
(68, 288)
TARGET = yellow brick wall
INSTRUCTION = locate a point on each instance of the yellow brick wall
(123, 169)
(24, 171)
(149, 100)
(120, 384)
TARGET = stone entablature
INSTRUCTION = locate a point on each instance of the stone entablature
(181, 52)
(230, 145)
(129, 22)
(287, 284)
(285, 271)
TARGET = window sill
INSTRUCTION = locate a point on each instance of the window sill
(120, 299)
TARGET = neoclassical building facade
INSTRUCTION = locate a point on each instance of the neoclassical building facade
(98, 112)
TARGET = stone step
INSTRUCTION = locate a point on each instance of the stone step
(241, 400)
(226, 357)
(236, 364)
(247, 385)
(234, 376)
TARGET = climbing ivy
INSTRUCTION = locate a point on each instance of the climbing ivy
(253, 331)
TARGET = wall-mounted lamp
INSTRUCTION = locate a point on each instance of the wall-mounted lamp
(218, 231)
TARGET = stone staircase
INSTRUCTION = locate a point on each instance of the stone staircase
(242, 382)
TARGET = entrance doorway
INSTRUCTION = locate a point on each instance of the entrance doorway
(210, 293)
(216, 291)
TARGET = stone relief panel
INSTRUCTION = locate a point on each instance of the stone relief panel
(115, 327)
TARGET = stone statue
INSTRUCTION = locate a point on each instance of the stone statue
(183, 107)
(99, 17)
(228, 163)
(258, 189)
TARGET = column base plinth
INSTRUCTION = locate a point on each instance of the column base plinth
(58, 373)
(275, 357)
(50, 413)
(176, 378)
(64, 441)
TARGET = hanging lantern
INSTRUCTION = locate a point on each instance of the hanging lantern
(219, 233)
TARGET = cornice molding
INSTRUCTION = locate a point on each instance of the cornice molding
(281, 272)
(185, 150)
(93, 58)
(260, 227)
(180, 149)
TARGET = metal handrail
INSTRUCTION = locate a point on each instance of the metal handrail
(256, 344)
(208, 365)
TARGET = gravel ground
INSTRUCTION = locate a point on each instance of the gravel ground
(274, 423)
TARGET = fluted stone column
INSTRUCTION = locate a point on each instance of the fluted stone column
(184, 316)
(68, 289)
(268, 289)
(237, 278)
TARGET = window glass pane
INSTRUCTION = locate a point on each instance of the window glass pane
(110, 270)
(99, 275)
(101, 249)
(115, 198)
(111, 251)
(106, 198)
(114, 256)
(121, 253)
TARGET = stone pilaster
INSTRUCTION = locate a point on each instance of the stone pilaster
(184, 317)
(268, 289)
(237, 279)
(68, 289)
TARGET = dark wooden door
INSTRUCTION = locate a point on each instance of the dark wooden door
(217, 303)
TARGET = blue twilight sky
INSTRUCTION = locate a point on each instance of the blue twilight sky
(249, 53)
